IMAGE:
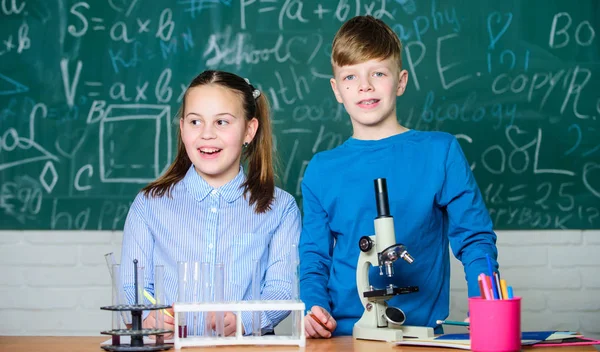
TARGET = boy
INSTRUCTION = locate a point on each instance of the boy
(433, 196)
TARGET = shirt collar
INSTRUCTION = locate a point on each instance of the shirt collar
(200, 189)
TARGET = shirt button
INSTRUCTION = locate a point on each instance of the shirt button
(214, 210)
(210, 246)
(213, 192)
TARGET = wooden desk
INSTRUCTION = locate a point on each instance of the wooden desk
(92, 344)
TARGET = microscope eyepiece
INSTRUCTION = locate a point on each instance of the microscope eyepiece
(381, 198)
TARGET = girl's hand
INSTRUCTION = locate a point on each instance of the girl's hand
(169, 322)
(229, 322)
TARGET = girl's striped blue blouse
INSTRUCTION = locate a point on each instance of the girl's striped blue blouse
(207, 225)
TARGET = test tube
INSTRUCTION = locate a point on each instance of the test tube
(297, 316)
(206, 296)
(159, 296)
(195, 295)
(182, 270)
(219, 298)
(116, 316)
(294, 263)
(139, 277)
(256, 282)
(117, 286)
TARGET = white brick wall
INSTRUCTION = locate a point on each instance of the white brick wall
(556, 273)
(53, 283)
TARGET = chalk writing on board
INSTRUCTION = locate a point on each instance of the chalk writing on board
(89, 96)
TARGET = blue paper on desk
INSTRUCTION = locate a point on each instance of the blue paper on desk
(527, 337)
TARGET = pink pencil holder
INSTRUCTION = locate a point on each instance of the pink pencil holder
(495, 324)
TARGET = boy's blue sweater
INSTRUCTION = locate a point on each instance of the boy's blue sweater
(434, 200)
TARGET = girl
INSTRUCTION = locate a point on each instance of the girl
(205, 208)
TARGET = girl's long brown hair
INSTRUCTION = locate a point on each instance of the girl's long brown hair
(260, 179)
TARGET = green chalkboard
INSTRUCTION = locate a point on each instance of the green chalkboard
(89, 91)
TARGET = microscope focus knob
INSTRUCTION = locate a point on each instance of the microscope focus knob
(365, 243)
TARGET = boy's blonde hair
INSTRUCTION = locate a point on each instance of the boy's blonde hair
(365, 38)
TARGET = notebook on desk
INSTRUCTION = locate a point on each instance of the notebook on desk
(528, 338)
(562, 338)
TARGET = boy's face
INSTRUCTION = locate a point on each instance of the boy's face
(368, 91)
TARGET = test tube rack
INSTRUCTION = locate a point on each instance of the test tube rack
(295, 306)
(136, 332)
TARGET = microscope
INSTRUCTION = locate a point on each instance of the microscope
(379, 321)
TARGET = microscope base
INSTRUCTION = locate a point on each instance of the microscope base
(391, 334)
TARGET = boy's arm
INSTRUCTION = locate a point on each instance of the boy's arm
(470, 229)
(316, 244)
(279, 275)
(138, 243)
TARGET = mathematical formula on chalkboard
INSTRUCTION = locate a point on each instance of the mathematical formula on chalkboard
(89, 93)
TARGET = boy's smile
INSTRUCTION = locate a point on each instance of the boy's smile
(368, 103)
(368, 91)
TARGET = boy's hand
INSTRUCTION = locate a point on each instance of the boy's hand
(229, 323)
(150, 322)
(319, 323)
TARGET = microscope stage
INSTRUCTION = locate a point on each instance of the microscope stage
(390, 291)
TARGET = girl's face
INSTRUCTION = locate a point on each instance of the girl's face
(213, 129)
